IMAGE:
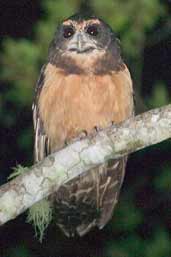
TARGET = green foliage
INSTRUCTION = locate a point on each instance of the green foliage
(127, 246)
(159, 245)
(20, 60)
(127, 217)
(162, 182)
(159, 96)
(134, 246)
(20, 250)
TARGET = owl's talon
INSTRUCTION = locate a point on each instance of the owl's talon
(94, 131)
(81, 136)
(111, 123)
(97, 129)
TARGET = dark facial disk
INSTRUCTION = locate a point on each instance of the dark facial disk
(83, 35)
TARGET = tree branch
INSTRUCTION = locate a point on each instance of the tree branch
(47, 176)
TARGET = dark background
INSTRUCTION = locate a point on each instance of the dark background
(141, 222)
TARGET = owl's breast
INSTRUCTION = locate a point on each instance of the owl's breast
(71, 103)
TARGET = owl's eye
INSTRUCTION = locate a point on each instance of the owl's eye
(92, 30)
(68, 32)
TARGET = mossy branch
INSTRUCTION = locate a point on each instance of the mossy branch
(47, 176)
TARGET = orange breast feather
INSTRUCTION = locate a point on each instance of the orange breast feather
(70, 103)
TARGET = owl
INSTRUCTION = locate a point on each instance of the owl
(84, 84)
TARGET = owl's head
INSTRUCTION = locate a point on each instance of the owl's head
(84, 40)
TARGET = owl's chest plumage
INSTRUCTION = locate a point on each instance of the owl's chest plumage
(71, 103)
(68, 104)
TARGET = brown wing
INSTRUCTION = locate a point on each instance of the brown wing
(111, 182)
(41, 141)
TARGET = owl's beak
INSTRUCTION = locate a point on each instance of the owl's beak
(81, 43)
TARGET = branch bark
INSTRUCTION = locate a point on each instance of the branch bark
(47, 176)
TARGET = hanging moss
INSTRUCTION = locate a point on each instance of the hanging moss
(40, 216)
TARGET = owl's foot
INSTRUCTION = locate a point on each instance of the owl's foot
(97, 129)
(94, 131)
(81, 136)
